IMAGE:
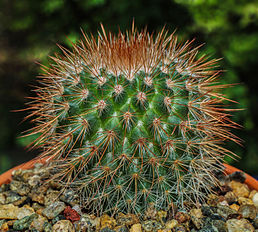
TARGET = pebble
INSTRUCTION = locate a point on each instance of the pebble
(234, 207)
(245, 201)
(9, 211)
(212, 200)
(171, 224)
(151, 225)
(64, 226)
(240, 190)
(182, 217)
(219, 225)
(248, 211)
(20, 187)
(24, 223)
(237, 176)
(225, 211)
(51, 196)
(47, 227)
(255, 199)
(230, 197)
(161, 216)
(127, 219)
(136, 228)
(53, 209)
(38, 223)
(242, 225)
(25, 211)
(69, 197)
(107, 221)
(196, 217)
(121, 229)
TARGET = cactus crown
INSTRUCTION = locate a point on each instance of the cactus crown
(131, 120)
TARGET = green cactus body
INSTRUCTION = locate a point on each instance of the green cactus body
(132, 120)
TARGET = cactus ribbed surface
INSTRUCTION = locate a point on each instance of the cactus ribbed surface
(132, 119)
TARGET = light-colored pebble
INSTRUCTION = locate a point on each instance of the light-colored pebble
(8, 211)
(239, 189)
(25, 211)
(38, 223)
(245, 201)
(242, 225)
(171, 224)
(63, 226)
(255, 199)
(106, 221)
(136, 228)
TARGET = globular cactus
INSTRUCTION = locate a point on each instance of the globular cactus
(131, 120)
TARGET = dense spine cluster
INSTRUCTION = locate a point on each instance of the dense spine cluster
(131, 120)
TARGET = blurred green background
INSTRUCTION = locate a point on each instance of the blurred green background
(29, 31)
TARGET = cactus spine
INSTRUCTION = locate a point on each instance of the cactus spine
(132, 119)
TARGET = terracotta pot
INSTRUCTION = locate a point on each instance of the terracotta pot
(7, 176)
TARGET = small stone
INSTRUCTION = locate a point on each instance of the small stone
(242, 225)
(36, 206)
(24, 223)
(208, 210)
(255, 223)
(162, 216)
(180, 228)
(237, 176)
(8, 211)
(106, 229)
(64, 226)
(20, 187)
(136, 228)
(25, 211)
(107, 221)
(240, 190)
(2, 199)
(4, 227)
(11, 197)
(230, 197)
(89, 221)
(127, 219)
(58, 218)
(51, 196)
(34, 180)
(255, 199)
(121, 229)
(151, 225)
(219, 225)
(47, 227)
(182, 217)
(245, 201)
(234, 207)
(196, 217)
(53, 209)
(248, 211)
(252, 193)
(21, 201)
(38, 223)
(2, 222)
(212, 200)
(171, 224)
(225, 211)
(69, 197)
(71, 214)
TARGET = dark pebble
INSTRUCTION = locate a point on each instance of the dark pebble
(58, 218)
(208, 210)
(237, 176)
(107, 229)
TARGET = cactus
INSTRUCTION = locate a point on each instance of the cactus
(132, 120)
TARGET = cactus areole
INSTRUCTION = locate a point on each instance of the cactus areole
(132, 119)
